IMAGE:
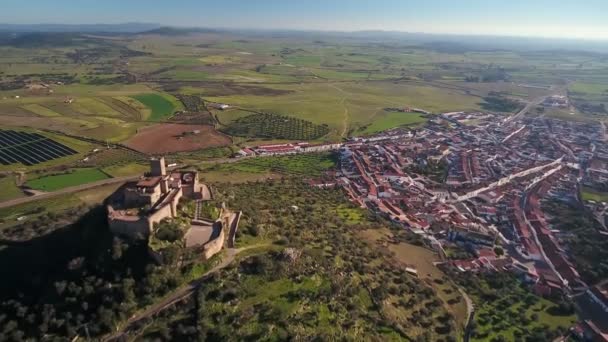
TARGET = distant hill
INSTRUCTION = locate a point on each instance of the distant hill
(85, 28)
(45, 39)
(179, 31)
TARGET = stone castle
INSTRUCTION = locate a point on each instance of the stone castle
(137, 206)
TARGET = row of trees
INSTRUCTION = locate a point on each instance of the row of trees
(276, 127)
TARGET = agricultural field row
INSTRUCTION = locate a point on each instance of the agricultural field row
(96, 111)
(272, 126)
(152, 106)
(342, 85)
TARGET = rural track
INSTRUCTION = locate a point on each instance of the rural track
(527, 108)
(346, 120)
(70, 190)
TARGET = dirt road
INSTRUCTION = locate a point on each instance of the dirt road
(65, 191)
(175, 297)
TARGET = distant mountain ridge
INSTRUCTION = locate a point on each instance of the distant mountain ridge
(177, 31)
(80, 28)
(439, 42)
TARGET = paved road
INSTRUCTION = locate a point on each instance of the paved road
(535, 102)
(525, 201)
(527, 108)
(69, 190)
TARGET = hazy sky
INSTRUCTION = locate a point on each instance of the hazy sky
(548, 18)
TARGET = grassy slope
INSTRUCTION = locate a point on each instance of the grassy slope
(50, 205)
(56, 204)
(312, 296)
(423, 261)
(40, 110)
(123, 170)
(8, 189)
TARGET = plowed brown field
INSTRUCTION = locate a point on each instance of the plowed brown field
(170, 138)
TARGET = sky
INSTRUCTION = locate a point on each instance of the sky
(536, 18)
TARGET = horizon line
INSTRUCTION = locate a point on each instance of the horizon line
(316, 30)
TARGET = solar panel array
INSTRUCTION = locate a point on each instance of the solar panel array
(29, 148)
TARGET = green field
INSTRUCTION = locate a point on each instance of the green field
(349, 106)
(73, 178)
(589, 194)
(161, 108)
(589, 88)
(40, 110)
(340, 83)
(390, 120)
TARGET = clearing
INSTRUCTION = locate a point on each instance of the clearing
(9, 189)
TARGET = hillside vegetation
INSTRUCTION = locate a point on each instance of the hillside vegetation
(317, 280)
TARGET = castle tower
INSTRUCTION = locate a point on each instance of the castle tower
(157, 167)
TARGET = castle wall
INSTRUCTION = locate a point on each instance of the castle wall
(205, 191)
(134, 198)
(157, 167)
(134, 229)
(234, 226)
(161, 214)
(215, 246)
(175, 201)
(164, 186)
(188, 191)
